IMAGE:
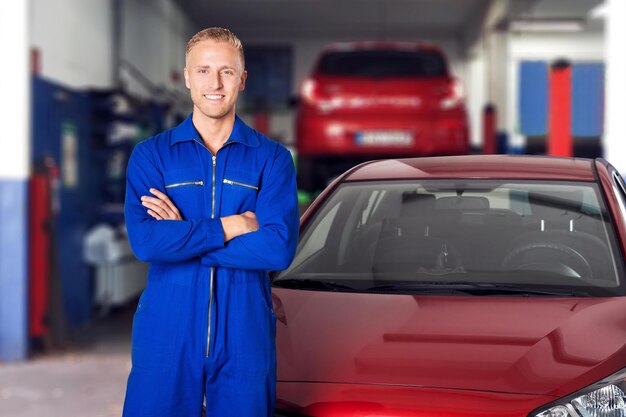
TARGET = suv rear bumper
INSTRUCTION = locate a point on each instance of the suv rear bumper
(339, 136)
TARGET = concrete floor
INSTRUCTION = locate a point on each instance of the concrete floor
(87, 379)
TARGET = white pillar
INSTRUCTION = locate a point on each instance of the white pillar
(615, 110)
(15, 81)
(498, 75)
(14, 167)
(475, 83)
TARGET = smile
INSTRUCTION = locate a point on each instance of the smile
(213, 96)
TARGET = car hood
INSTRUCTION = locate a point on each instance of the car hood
(547, 346)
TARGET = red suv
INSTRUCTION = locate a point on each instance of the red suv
(369, 100)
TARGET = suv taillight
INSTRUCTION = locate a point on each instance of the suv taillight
(309, 91)
(312, 95)
(454, 96)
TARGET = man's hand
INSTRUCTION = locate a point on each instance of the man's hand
(239, 224)
(161, 207)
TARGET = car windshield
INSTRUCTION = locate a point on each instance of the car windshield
(479, 237)
(383, 63)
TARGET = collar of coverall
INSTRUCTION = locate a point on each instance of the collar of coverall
(241, 133)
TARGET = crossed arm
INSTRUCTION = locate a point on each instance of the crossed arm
(265, 240)
(161, 207)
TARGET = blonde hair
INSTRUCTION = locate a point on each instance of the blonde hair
(218, 35)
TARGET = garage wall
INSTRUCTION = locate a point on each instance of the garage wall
(74, 38)
(76, 41)
(155, 34)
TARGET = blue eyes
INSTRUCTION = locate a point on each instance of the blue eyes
(225, 72)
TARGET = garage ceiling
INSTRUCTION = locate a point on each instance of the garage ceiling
(337, 18)
(373, 19)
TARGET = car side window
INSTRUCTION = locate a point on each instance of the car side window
(620, 188)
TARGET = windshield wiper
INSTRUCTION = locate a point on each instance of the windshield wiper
(474, 288)
(311, 284)
(423, 287)
(520, 289)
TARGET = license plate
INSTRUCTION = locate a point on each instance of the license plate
(384, 137)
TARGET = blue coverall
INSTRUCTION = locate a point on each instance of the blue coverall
(204, 324)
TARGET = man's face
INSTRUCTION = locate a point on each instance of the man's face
(214, 74)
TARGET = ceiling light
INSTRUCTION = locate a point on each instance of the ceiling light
(547, 25)
(599, 12)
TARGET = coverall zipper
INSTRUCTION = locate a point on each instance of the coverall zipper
(213, 163)
(231, 182)
(211, 279)
(208, 341)
(180, 184)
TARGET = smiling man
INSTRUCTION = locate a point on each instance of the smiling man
(212, 206)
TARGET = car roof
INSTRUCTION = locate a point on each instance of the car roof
(477, 166)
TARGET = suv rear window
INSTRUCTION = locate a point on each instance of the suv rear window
(383, 63)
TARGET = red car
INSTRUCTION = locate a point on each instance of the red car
(369, 100)
(458, 286)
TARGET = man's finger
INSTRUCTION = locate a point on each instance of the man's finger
(159, 207)
(165, 198)
(155, 215)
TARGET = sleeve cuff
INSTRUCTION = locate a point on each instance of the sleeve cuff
(214, 234)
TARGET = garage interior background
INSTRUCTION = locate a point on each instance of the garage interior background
(139, 45)
(106, 74)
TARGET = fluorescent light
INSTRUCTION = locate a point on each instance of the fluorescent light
(547, 25)
(599, 12)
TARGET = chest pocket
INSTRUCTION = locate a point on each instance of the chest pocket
(186, 188)
(240, 190)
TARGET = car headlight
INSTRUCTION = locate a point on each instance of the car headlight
(606, 398)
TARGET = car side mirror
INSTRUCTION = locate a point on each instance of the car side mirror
(293, 101)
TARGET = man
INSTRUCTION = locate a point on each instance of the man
(212, 205)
